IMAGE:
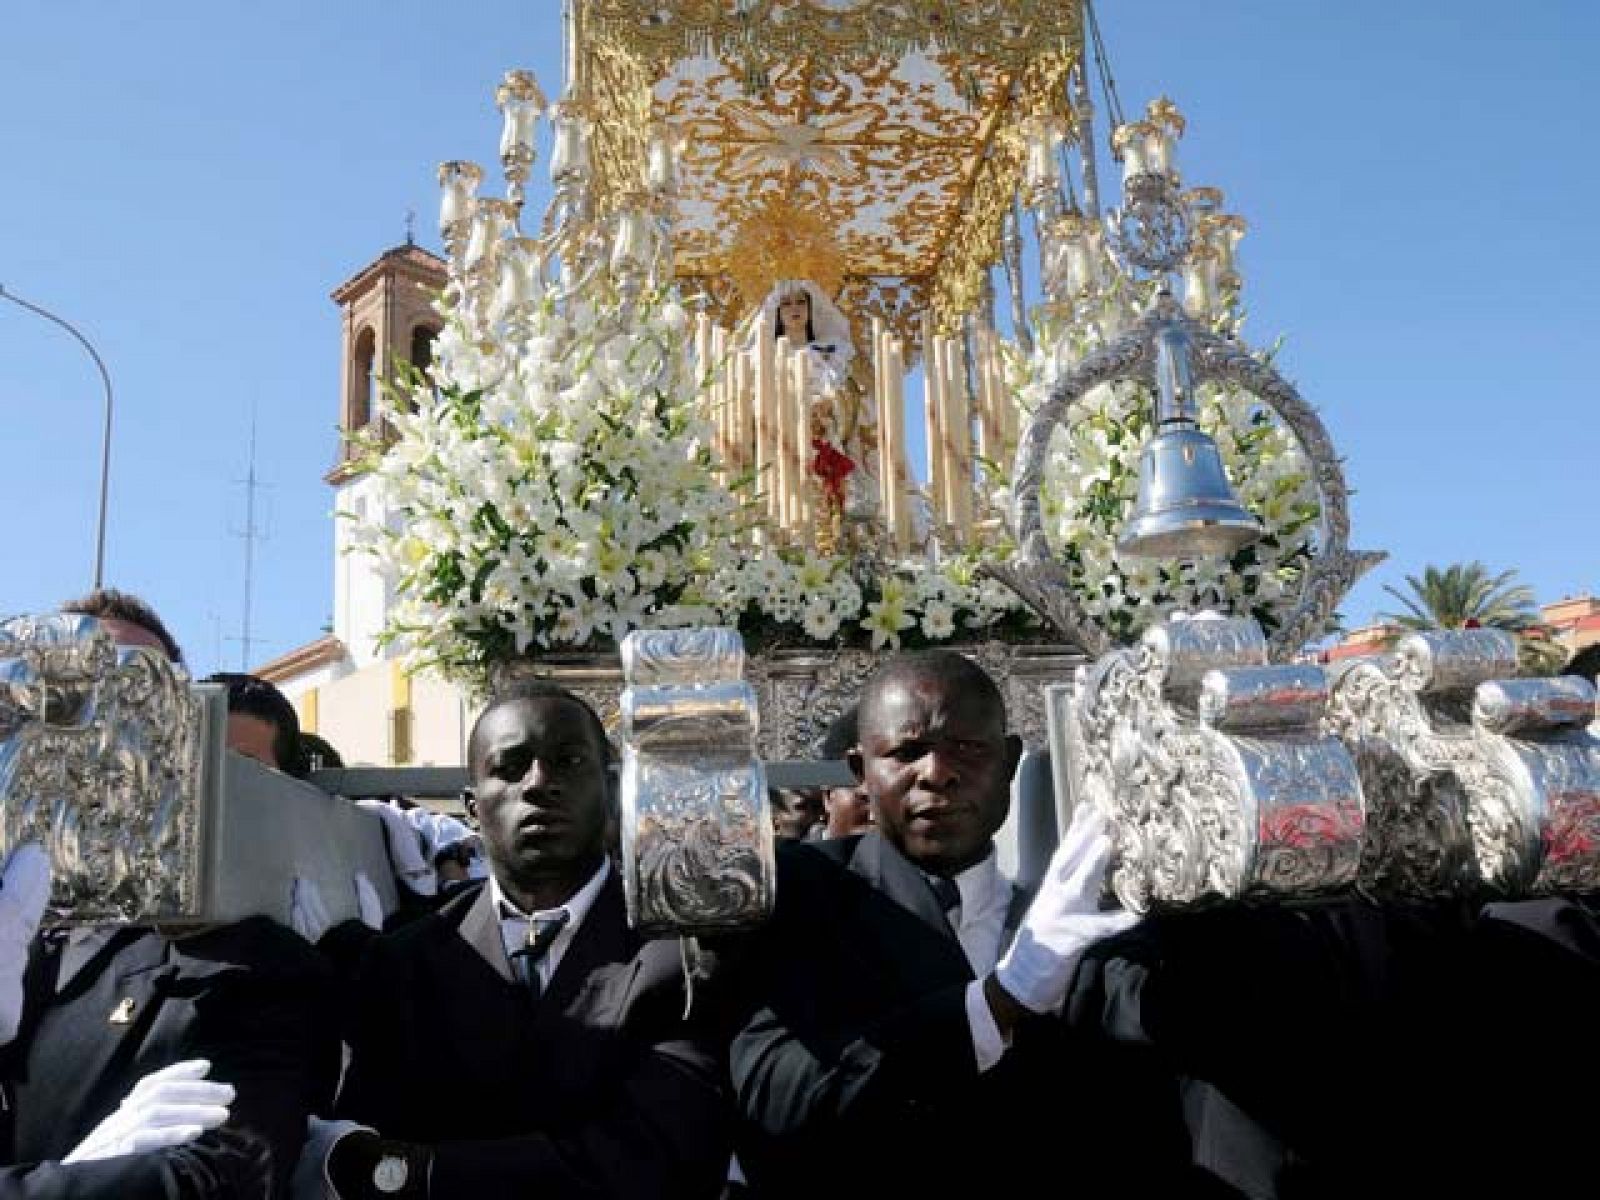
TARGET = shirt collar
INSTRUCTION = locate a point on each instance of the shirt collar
(576, 908)
(977, 883)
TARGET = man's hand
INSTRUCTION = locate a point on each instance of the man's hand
(24, 892)
(1063, 921)
(166, 1108)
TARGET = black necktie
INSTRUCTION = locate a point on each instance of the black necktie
(542, 933)
(948, 895)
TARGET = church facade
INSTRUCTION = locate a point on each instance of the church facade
(344, 685)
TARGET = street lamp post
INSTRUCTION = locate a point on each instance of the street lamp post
(105, 436)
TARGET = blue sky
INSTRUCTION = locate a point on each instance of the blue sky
(186, 182)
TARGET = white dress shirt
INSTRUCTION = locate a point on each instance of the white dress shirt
(979, 923)
(514, 922)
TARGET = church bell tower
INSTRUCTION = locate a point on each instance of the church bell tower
(388, 320)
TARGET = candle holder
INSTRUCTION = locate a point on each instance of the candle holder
(458, 182)
(1151, 230)
(520, 102)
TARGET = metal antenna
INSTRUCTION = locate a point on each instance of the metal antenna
(249, 533)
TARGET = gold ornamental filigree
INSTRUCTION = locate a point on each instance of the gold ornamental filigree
(898, 118)
(784, 240)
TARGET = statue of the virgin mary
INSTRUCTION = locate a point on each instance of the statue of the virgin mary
(841, 417)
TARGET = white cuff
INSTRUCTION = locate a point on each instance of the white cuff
(987, 1044)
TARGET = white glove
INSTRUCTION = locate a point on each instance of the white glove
(166, 1108)
(24, 892)
(310, 1181)
(308, 914)
(1064, 919)
(413, 866)
(368, 903)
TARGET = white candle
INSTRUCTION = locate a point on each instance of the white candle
(458, 182)
(1199, 288)
(1043, 170)
(487, 225)
(783, 435)
(958, 438)
(661, 173)
(1159, 151)
(571, 153)
(896, 467)
(521, 118)
(1131, 140)
(800, 448)
(743, 450)
(766, 413)
(933, 420)
(880, 397)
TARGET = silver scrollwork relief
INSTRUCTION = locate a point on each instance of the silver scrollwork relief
(697, 839)
(1151, 230)
(1267, 807)
(1041, 581)
(1471, 781)
(101, 761)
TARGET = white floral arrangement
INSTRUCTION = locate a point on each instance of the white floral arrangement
(830, 600)
(1090, 485)
(554, 489)
(550, 489)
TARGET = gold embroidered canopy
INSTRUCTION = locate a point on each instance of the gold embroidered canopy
(889, 125)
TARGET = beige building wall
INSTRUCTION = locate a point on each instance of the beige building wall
(353, 714)
(442, 718)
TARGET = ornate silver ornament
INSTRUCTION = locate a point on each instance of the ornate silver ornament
(697, 840)
(1041, 580)
(101, 757)
(1210, 763)
(1472, 780)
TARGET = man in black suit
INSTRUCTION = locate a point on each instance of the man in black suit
(107, 1008)
(114, 1026)
(523, 1040)
(896, 1044)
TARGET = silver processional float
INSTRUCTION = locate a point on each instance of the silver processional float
(891, 167)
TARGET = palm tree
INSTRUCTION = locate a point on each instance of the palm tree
(1464, 596)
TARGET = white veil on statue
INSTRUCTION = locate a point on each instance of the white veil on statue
(831, 343)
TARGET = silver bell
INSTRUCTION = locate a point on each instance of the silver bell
(1185, 509)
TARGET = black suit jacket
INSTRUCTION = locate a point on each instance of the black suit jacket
(1346, 1048)
(602, 1088)
(854, 1071)
(113, 1005)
